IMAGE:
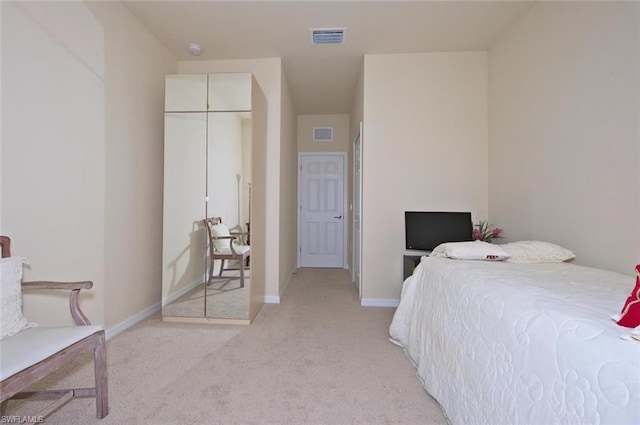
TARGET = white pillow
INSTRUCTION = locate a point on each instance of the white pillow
(11, 319)
(537, 252)
(217, 230)
(476, 250)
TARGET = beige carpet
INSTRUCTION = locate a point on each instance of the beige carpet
(316, 358)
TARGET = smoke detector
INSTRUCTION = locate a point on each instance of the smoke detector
(194, 49)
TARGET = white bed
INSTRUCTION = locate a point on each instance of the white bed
(503, 343)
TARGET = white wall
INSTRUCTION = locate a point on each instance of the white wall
(82, 154)
(355, 118)
(288, 187)
(564, 152)
(224, 166)
(340, 125)
(357, 107)
(135, 64)
(53, 146)
(341, 143)
(184, 236)
(425, 148)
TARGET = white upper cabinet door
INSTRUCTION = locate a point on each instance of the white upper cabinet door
(185, 93)
(230, 91)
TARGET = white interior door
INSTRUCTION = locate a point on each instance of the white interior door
(322, 215)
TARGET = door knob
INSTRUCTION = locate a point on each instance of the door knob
(337, 216)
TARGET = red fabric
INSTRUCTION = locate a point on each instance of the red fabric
(631, 310)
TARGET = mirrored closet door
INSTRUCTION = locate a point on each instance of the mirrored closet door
(208, 247)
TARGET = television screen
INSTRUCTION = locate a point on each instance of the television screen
(424, 230)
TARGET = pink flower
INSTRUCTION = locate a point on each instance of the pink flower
(483, 231)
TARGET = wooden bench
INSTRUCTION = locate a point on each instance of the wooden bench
(33, 353)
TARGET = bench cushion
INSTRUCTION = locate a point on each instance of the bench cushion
(32, 345)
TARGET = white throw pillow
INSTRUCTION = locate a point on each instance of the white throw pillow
(537, 252)
(217, 231)
(11, 319)
(476, 250)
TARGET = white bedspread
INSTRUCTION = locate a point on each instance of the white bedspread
(504, 343)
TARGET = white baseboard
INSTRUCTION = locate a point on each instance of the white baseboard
(148, 312)
(133, 320)
(378, 302)
(272, 299)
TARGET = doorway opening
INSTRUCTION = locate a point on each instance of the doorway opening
(322, 195)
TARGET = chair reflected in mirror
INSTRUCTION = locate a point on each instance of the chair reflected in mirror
(225, 245)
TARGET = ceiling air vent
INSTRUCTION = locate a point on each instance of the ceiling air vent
(327, 35)
(322, 134)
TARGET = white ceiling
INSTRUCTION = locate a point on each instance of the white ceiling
(323, 77)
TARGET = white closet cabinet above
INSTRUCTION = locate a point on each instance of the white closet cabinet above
(185, 93)
(230, 92)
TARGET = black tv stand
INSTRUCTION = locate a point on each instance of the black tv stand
(409, 263)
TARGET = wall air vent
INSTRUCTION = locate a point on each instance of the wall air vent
(327, 35)
(322, 134)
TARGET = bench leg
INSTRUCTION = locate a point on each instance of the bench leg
(100, 366)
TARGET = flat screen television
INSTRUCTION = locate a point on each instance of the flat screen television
(424, 230)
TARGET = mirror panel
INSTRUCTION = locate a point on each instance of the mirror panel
(184, 235)
(229, 192)
(208, 170)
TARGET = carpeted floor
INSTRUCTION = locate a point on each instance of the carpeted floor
(316, 358)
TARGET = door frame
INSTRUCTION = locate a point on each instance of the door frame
(345, 263)
(357, 207)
